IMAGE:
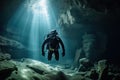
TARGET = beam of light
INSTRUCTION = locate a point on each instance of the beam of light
(31, 26)
(40, 25)
(32, 21)
(40, 7)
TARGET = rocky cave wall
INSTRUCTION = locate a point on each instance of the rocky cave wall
(99, 17)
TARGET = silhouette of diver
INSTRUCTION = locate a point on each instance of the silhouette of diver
(52, 42)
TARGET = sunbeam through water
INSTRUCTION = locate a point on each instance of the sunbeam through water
(32, 22)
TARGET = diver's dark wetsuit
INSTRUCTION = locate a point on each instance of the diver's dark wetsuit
(52, 46)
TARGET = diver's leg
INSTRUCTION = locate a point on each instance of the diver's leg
(56, 55)
(50, 55)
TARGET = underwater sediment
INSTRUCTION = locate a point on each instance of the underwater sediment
(29, 69)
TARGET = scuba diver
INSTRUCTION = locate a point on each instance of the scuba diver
(52, 45)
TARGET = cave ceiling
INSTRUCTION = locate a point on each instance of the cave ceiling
(69, 12)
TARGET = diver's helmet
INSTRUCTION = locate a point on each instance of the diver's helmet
(52, 33)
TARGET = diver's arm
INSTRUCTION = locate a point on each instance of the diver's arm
(63, 48)
(43, 45)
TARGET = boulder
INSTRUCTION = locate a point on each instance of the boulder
(6, 68)
(84, 64)
(103, 70)
(5, 56)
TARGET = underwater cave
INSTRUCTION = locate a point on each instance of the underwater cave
(59, 40)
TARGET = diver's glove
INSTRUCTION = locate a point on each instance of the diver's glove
(43, 53)
(63, 54)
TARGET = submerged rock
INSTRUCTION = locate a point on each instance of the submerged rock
(103, 70)
(6, 68)
(5, 56)
(10, 42)
(84, 64)
(29, 69)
